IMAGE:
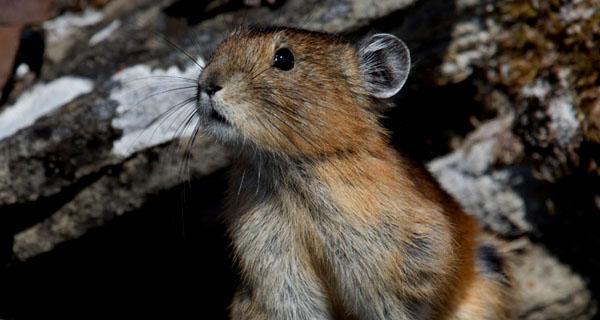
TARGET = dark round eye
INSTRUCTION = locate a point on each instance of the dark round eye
(283, 59)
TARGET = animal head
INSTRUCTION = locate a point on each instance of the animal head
(299, 93)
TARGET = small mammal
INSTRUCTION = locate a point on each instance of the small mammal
(327, 220)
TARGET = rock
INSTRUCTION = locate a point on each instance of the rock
(497, 197)
(546, 70)
(513, 141)
(117, 190)
(547, 288)
(77, 144)
(507, 202)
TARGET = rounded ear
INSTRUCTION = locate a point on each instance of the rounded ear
(385, 63)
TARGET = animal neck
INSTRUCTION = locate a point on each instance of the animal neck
(359, 164)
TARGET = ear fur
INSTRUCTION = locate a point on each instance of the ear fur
(385, 63)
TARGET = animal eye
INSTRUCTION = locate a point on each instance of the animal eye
(283, 59)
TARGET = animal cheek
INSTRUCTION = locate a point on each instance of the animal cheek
(236, 93)
(240, 111)
(239, 103)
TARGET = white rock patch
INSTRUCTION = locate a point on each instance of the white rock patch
(469, 175)
(540, 90)
(22, 70)
(66, 24)
(41, 99)
(104, 33)
(563, 120)
(144, 96)
(471, 46)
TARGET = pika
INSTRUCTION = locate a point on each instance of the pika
(327, 220)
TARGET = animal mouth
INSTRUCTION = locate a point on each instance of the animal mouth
(216, 116)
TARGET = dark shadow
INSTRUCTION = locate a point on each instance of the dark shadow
(426, 119)
(426, 115)
(164, 260)
(20, 216)
(570, 230)
(195, 11)
(30, 52)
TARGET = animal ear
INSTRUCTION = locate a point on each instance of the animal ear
(385, 62)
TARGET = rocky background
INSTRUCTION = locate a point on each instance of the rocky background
(105, 213)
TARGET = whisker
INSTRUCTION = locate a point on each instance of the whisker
(195, 36)
(311, 143)
(273, 137)
(164, 38)
(181, 126)
(296, 96)
(241, 183)
(188, 151)
(165, 91)
(170, 111)
(258, 177)
(160, 119)
(183, 79)
(176, 135)
(187, 120)
(258, 74)
(185, 166)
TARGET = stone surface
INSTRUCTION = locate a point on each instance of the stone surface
(548, 289)
(495, 195)
(513, 141)
(507, 202)
(120, 190)
(46, 149)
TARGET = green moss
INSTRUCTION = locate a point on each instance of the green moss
(540, 37)
(556, 42)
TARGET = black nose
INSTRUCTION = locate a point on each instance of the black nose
(212, 88)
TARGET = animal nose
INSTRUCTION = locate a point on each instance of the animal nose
(212, 88)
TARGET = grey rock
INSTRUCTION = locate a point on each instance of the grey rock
(494, 195)
(120, 190)
(67, 157)
(504, 201)
(547, 288)
(73, 147)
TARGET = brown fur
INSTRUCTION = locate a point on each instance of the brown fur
(327, 220)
